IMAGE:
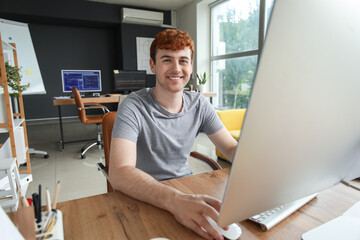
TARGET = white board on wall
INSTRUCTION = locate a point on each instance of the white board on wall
(143, 54)
(18, 33)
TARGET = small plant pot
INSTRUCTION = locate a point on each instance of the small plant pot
(201, 88)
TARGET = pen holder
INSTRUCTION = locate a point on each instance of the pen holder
(51, 226)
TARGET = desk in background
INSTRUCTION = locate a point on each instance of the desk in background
(117, 216)
(62, 101)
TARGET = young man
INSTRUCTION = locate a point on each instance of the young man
(154, 131)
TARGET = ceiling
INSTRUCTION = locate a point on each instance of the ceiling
(157, 4)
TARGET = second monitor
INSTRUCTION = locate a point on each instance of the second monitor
(129, 81)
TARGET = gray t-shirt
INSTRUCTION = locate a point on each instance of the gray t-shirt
(164, 140)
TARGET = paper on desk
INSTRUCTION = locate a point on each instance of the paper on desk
(338, 228)
(8, 230)
(354, 211)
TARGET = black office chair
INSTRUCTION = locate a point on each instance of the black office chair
(96, 119)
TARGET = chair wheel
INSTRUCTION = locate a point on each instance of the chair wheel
(46, 156)
(83, 156)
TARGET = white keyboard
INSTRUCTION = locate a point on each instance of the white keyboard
(272, 217)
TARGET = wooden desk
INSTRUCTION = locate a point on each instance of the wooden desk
(117, 216)
(210, 94)
(71, 101)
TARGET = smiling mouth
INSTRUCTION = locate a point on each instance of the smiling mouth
(175, 78)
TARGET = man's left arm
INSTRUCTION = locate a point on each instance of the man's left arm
(224, 142)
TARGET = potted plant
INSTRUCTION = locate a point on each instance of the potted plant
(202, 79)
(14, 80)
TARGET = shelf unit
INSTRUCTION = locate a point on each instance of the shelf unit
(13, 123)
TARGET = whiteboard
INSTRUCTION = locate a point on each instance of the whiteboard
(18, 33)
(143, 54)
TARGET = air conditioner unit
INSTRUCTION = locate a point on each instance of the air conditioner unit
(144, 17)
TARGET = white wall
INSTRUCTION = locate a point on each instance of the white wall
(194, 18)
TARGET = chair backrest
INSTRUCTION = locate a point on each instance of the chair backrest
(107, 125)
(232, 119)
(79, 104)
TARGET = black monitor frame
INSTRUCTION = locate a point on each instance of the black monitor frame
(126, 81)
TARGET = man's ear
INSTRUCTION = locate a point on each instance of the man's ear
(152, 65)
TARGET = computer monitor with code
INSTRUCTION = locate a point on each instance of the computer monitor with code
(84, 80)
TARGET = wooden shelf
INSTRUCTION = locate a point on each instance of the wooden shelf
(13, 121)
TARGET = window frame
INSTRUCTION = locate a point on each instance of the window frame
(261, 38)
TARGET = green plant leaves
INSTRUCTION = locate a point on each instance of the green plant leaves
(14, 80)
(201, 78)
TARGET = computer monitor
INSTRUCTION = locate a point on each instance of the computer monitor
(127, 81)
(84, 80)
(301, 132)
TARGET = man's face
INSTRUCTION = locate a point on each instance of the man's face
(172, 69)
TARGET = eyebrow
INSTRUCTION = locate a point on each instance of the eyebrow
(167, 56)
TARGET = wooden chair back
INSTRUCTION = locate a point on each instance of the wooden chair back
(79, 105)
(108, 123)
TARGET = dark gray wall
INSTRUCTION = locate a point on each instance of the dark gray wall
(62, 47)
(73, 34)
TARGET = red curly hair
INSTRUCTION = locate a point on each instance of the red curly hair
(171, 39)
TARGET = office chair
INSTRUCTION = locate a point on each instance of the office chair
(233, 120)
(96, 119)
(108, 123)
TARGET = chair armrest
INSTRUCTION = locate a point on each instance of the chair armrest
(211, 162)
(96, 106)
(103, 169)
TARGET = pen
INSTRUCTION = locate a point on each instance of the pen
(39, 204)
(56, 195)
(51, 222)
(48, 201)
(47, 221)
(35, 199)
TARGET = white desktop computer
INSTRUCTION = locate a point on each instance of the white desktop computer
(301, 132)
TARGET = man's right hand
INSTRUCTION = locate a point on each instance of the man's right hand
(190, 211)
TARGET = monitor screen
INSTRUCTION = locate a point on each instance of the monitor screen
(84, 80)
(129, 81)
(301, 132)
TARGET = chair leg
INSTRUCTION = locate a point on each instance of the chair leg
(90, 145)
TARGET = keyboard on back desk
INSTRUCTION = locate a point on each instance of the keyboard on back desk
(272, 217)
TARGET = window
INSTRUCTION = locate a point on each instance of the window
(238, 31)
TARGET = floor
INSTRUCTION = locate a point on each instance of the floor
(80, 177)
